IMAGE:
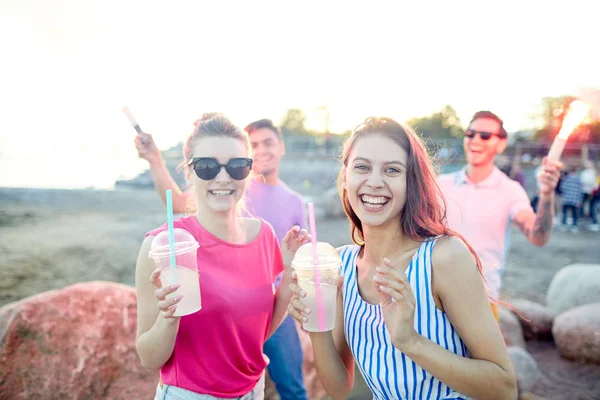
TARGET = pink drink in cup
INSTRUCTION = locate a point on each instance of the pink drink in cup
(321, 297)
(185, 272)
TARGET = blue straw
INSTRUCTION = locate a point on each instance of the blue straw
(170, 225)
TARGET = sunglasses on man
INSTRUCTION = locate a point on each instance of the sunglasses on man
(470, 133)
(207, 168)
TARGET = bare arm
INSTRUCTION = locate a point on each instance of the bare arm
(537, 227)
(333, 359)
(156, 334)
(161, 176)
(164, 181)
(489, 373)
(282, 300)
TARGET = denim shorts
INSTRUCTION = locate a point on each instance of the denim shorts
(168, 392)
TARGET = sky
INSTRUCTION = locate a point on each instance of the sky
(68, 67)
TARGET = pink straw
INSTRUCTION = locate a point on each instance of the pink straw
(317, 272)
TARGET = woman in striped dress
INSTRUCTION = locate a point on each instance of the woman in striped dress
(412, 309)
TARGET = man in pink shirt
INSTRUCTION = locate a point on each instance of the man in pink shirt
(482, 201)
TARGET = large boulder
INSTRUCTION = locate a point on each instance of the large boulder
(536, 319)
(73, 343)
(573, 286)
(511, 328)
(526, 368)
(577, 333)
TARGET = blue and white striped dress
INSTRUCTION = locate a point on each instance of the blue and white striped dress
(388, 372)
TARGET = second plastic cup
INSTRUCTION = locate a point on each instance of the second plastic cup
(185, 272)
(328, 269)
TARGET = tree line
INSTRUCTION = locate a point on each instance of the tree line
(445, 123)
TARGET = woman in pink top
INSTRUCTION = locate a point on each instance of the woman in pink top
(217, 351)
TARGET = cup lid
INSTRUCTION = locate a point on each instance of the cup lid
(326, 253)
(183, 240)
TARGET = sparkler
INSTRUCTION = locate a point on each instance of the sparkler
(578, 111)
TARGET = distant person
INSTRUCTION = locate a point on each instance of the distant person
(572, 196)
(558, 192)
(589, 186)
(269, 198)
(216, 352)
(481, 200)
(514, 172)
(412, 310)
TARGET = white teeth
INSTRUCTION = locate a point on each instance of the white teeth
(372, 200)
(221, 192)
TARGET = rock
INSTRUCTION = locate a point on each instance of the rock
(511, 328)
(562, 378)
(573, 286)
(526, 368)
(577, 333)
(73, 343)
(536, 319)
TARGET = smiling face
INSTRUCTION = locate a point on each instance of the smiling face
(481, 152)
(267, 150)
(375, 180)
(222, 193)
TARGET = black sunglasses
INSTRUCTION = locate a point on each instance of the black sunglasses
(483, 135)
(208, 168)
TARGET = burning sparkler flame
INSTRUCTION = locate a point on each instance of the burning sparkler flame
(577, 113)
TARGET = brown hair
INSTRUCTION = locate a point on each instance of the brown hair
(424, 214)
(263, 123)
(492, 116)
(212, 124)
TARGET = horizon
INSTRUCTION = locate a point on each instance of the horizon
(75, 64)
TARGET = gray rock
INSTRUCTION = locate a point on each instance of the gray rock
(536, 319)
(573, 286)
(526, 368)
(577, 333)
(511, 328)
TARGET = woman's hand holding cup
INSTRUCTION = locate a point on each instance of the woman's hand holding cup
(166, 305)
(296, 308)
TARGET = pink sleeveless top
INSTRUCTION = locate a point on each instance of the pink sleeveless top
(219, 350)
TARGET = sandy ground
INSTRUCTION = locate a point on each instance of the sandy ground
(53, 238)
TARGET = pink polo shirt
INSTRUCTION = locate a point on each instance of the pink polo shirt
(482, 213)
(219, 350)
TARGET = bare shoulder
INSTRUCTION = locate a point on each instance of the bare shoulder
(452, 257)
(448, 248)
(454, 272)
